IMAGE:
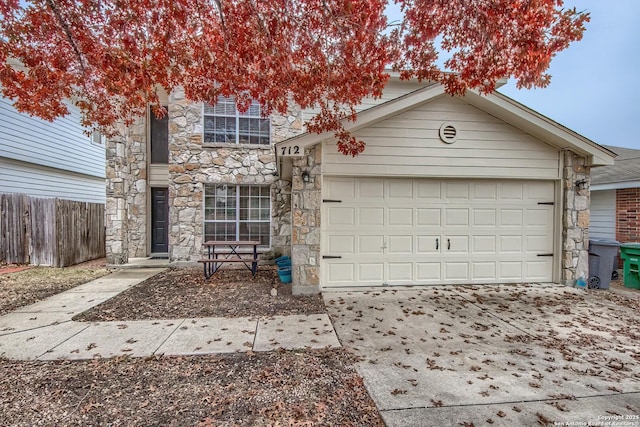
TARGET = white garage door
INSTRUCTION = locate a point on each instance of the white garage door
(379, 231)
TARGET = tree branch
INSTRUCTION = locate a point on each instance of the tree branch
(67, 32)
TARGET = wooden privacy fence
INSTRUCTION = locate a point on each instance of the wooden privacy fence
(52, 232)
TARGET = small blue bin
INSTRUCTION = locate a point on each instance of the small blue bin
(284, 263)
(285, 275)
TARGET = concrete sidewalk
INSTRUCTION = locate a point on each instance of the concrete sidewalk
(45, 331)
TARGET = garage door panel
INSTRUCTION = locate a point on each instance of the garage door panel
(341, 244)
(456, 270)
(401, 189)
(485, 217)
(538, 244)
(340, 188)
(371, 217)
(428, 244)
(485, 270)
(400, 245)
(428, 272)
(341, 272)
(457, 244)
(424, 231)
(542, 217)
(484, 244)
(428, 190)
(371, 272)
(485, 191)
(511, 244)
(511, 270)
(540, 191)
(371, 244)
(456, 217)
(402, 217)
(341, 216)
(512, 191)
(370, 190)
(400, 272)
(457, 190)
(538, 270)
(511, 217)
(429, 217)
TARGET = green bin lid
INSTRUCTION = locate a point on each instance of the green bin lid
(633, 245)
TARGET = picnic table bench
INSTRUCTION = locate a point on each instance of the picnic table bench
(235, 251)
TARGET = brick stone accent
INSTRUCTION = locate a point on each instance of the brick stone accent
(628, 215)
(306, 201)
(575, 248)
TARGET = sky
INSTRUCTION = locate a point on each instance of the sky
(595, 87)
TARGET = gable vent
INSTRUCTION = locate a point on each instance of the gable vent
(448, 133)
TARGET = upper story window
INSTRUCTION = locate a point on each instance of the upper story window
(97, 137)
(159, 132)
(224, 123)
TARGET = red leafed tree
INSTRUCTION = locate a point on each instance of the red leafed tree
(109, 56)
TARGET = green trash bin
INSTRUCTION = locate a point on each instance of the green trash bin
(630, 254)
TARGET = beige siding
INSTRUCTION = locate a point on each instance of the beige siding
(409, 145)
(159, 175)
(603, 215)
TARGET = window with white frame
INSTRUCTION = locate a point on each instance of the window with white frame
(97, 137)
(237, 212)
(224, 123)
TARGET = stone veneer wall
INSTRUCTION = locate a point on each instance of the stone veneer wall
(306, 202)
(126, 183)
(116, 207)
(575, 254)
(192, 164)
(137, 198)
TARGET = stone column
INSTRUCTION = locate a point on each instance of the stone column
(116, 208)
(187, 158)
(137, 194)
(575, 249)
(306, 202)
(281, 217)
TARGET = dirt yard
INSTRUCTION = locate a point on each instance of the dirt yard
(282, 388)
(24, 285)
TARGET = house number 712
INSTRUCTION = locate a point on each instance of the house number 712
(290, 151)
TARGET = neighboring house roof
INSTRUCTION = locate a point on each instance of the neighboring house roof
(624, 173)
(496, 104)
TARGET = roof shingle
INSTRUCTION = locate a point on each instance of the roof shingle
(625, 169)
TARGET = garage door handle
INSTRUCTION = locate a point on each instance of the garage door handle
(331, 257)
(448, 244)
(545, 254)
(437, 244)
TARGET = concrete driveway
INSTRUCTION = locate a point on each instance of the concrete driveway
(494, 355)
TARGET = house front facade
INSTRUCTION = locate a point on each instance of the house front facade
(473, 189)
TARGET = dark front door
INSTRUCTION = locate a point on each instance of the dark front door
(159, 220)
